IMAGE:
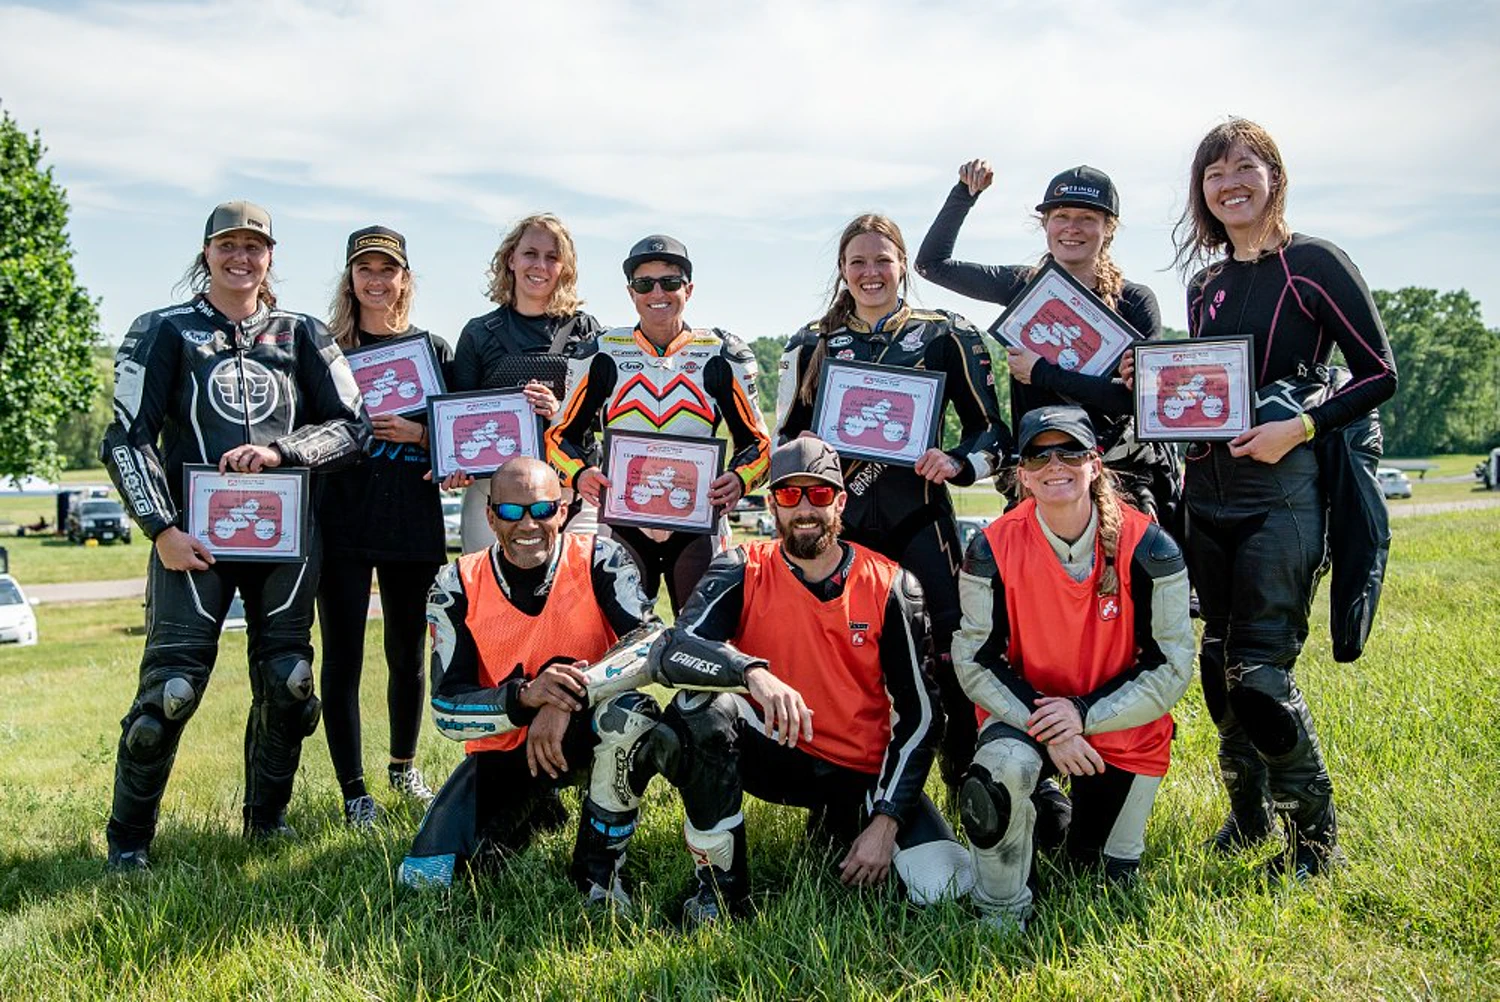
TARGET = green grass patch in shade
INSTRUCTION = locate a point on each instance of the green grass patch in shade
(1409, 731)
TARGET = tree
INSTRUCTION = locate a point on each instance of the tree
(79, 432)
(48, 323)
(1449, 362)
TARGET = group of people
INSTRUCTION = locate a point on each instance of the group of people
(825, 668)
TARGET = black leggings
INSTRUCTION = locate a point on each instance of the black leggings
(682, 558)
(343, 608)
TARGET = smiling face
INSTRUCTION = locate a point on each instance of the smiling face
(377, 281)
(872, 267)
(1058, 485)
(1238, 187)
(1075, 236)
(536, 265)
(660, 311)
(238, 262)
(524, 481)
(806, 530)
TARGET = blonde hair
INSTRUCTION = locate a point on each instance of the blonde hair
(343, 311)
(1105, 494)
(564, 301)
(1109, 280)
(841, 303)
(198, 278)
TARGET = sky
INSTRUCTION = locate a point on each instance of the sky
(752, 132)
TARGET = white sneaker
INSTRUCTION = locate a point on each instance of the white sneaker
(409, 783)
(359, 812)
(613, 898)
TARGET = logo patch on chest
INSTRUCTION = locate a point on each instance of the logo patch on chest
(1109, 607)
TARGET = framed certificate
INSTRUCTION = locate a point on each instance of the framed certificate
(398, 376)
(248, 516)
(885, 413)
(1065, 323)
(1194, 390)
(479, 432)
(660, 481)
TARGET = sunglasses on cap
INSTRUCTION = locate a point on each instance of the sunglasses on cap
(539, 510)
(818, 495)
(668, 283)
(1069, 456)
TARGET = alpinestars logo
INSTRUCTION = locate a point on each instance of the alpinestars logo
(252, 401)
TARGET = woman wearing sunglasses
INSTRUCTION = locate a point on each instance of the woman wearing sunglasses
(1080, 213)
(1254, 504)
(1076, 643)
(534, 281)
(380, 519)
(900, 512)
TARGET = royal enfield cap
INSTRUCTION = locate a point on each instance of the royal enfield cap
(377, 238)
(238, 215)
(659, 247)
(806, 457)
(1071, 421)
(1083, 187)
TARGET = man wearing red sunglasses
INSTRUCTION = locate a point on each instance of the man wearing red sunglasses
(846, 629)
(512, 627)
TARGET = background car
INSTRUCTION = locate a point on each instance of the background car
(17, 621)
(1393, 482)
(453, 508)
(747, 510)
(98, 518)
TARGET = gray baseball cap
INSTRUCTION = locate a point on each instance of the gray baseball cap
(806, 457)
(1071, 421)
(659, 247)
(238, 215)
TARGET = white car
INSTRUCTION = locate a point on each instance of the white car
(1393, 482)
(453, 508)
(17, 621)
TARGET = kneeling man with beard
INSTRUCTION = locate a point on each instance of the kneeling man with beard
(850, 737)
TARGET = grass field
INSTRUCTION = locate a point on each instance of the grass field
(1410, 733)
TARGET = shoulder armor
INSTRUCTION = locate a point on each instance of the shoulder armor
(1157, 552)
(930, 316)
(910, 588)
(979, 559)
(586, 348)
(735, 347)
(806, 336)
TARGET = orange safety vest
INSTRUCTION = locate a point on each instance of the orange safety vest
(828, 651)
(1066, 638)
(571, 624)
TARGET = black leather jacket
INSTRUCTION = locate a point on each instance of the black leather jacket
(191, 384)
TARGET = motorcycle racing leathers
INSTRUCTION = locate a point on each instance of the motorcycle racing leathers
(1255, 539)
(701, 379)
(190, 384)
(891, 509)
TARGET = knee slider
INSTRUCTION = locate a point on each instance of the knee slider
(984, 808)
(623, 723)
(1257, 695)
(290, 693)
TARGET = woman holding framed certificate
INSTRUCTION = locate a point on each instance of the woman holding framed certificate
(381, 518)
(524, 341)
(228, 380)
(900, 509)
(1079, 213)
(1255, 507)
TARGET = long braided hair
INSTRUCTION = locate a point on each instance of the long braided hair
(841, 304)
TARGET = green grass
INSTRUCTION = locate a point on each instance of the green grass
(1410, 733)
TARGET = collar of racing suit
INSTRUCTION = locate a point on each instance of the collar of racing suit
(892, 321)
(250, 326)
(676, 344)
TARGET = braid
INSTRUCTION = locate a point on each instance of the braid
(1110, 518)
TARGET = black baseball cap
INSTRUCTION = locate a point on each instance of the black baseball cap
(377, 238)
(237, 215)
(1084, 187)
(806, 457)
(659, 247)
(1071, 421)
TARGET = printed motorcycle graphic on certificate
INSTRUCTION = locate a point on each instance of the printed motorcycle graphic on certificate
(660, 481)
(390, 389)
(875, 418)
(659, 486)
(1193, 396)
(1197, 389)
(245, 518)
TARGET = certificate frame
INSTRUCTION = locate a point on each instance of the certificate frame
(1198, 390)
(397, 376)
(262, 516)
(1062, 320)
(882, 413)
(660, 481)
(480, 431)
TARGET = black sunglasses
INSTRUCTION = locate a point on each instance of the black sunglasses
(668, 283)
(505, 511)
(1039, 459)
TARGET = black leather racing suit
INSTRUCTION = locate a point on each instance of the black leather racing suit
(891, 509)
(190, 384)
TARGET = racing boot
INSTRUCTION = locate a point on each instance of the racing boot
(599, 853)
(723, 891)
(126, 860)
